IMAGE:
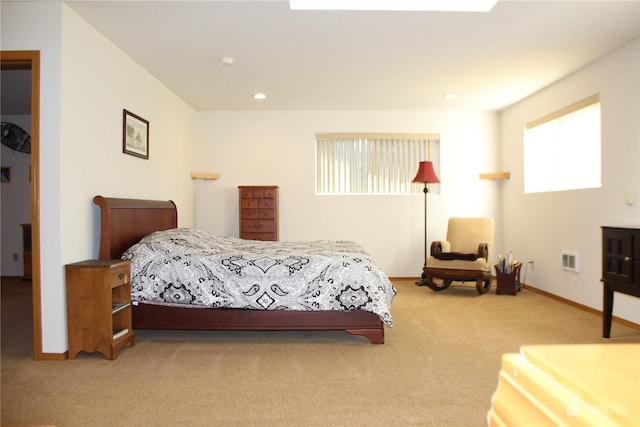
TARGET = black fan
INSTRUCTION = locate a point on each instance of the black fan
(16, 138)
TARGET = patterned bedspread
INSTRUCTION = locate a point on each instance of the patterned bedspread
(193, 267)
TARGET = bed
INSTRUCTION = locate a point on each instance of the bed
(125, 222)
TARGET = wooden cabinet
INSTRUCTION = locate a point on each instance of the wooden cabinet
(99, 307)
(26, 251)
(259, 212)
(508, 283)
(620, 268)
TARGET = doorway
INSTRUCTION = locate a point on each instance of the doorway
(30, 60)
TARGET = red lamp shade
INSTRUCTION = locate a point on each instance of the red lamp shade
(426, 174)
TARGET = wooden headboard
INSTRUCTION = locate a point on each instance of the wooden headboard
(125, 221)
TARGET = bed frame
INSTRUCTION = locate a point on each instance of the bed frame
(125, 221)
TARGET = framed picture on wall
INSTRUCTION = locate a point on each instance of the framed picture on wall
(5, 174)
(135, 135)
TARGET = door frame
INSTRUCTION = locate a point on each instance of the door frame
(30, 60)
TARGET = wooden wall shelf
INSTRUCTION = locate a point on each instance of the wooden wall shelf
(204, 175)
(496, 175)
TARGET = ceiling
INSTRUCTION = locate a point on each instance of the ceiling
(310, 60)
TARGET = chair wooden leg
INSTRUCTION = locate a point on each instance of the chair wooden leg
(483, 286)
(441, 279)
(435, 286)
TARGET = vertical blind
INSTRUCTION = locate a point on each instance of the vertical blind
(372, 163)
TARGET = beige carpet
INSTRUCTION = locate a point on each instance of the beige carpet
(438, 367)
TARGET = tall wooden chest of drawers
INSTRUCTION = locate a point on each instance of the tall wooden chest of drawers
(259, 212)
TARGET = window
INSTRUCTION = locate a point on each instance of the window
(372, 163)
(562, 150)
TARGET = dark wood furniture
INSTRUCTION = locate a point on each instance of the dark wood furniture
(259, 212)
(620, 268)
(99, 307)
(508, 283)
(26, 251)
(482, 278)
(465, 236)
(125, 221)
(448, 276)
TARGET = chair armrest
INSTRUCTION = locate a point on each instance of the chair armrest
(483, 251)
(440, 246)
(436, 248)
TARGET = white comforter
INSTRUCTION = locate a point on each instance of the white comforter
(194, 267)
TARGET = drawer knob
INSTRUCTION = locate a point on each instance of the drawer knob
(627, 259)
(121, 276)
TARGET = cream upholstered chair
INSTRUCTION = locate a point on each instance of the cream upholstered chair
(464, 256)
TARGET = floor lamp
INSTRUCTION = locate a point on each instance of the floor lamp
(426, 175)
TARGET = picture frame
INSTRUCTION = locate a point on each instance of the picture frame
(5, 174)
(135, 135)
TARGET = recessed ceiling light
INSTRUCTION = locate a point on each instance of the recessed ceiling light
(227, 60)
(396, 5)
(450, 96)
(259, 95)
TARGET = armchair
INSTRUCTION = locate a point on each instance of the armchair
(464, 256)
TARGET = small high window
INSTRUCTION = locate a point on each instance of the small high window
(562, 150)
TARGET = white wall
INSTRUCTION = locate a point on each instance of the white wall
(278, 148)
(16, 201)
(539, 226)
(85, 84)
(98, 82)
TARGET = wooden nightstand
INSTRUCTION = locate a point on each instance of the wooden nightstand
(99, 307)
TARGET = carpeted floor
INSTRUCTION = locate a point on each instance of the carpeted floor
(438, 367)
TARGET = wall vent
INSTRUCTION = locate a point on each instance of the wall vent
(570, 261)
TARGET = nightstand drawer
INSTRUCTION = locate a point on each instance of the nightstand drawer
(120, 275)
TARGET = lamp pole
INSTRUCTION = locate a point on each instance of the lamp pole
(426, 175)
(425, 190)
